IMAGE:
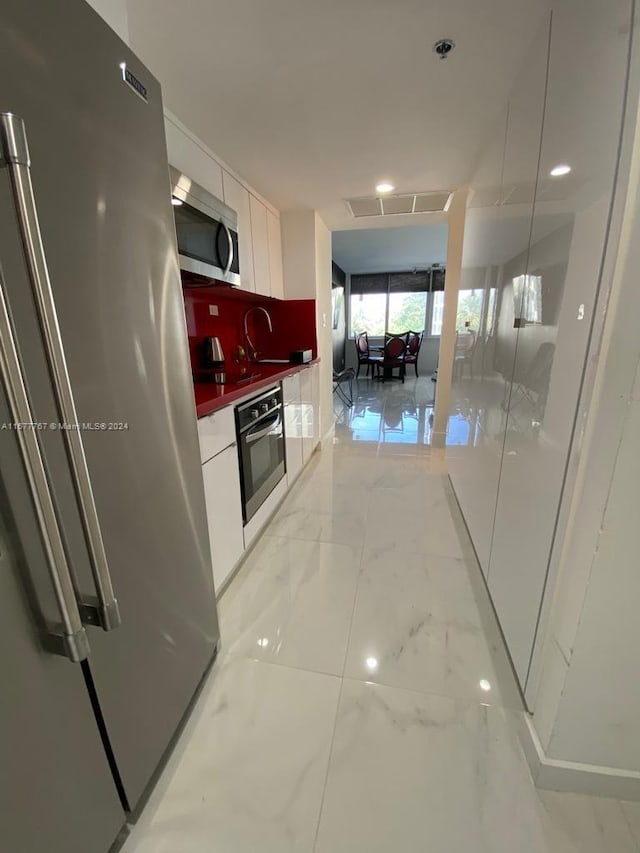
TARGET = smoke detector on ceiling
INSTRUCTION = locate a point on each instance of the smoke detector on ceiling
(443, 47)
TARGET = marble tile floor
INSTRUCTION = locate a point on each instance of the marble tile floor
(362, 700)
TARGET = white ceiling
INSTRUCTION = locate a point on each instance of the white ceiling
(314, 101)
(389, 249)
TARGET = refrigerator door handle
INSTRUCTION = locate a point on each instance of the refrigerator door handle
(70, 639)
(14, 155)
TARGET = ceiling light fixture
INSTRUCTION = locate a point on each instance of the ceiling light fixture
(385, 187)
(485, 685)
(175, 201)
(560, 170)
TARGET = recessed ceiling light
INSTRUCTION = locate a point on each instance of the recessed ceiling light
(384, 187)
(371, 664)
(560, 170)
(175, 201)
(485, 685)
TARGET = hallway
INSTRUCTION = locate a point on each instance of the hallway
(362, 700)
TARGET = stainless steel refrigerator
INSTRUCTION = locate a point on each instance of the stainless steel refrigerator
(107, 612)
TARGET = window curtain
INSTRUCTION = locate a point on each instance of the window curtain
(421, 281)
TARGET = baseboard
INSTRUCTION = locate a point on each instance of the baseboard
(556, 775)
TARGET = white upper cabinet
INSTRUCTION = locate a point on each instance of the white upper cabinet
(191, 160)
(260, 240)
(237, 197)
(275, 255)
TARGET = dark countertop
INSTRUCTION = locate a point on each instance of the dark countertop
(210, 397)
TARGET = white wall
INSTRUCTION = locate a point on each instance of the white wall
(114, 12)
(455, 241)
(323, 322)
(306, 257)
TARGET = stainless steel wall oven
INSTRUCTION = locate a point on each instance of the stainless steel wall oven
(260, 429)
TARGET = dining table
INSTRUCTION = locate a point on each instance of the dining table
(387, 370)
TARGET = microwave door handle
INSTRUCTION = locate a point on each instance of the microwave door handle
(14, 155)
(71, 639)
(254, 436)
(231, 252)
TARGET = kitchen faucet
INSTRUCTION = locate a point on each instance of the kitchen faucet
(252, 352)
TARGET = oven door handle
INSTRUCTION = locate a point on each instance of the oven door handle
(250, 436)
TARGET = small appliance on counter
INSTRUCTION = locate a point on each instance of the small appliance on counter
(213, 357)
(213, 364)
(300, 356)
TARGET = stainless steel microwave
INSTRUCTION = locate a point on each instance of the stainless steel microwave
(206, 230)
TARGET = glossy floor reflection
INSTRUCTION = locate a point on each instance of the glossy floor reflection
(363, 700)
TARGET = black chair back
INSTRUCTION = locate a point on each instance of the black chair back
(362, 345)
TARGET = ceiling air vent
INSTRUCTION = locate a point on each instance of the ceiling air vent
(392, 205)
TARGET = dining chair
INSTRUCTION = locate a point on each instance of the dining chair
(395, 352)
(414, 342)
(363, 353)
(463, 353)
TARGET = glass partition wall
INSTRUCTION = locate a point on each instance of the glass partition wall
(535, 236)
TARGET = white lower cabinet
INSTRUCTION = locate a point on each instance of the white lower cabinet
(292, 425)
(221, 472)
(308, 414)
(314, 370)
(224, 512)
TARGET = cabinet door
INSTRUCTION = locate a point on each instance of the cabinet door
(237, 197)
(275, 255)
(260, 241)
(191, 160)
(315, 402)
(292, 425)
(307, 414)
(224, 512)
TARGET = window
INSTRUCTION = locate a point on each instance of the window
(437, 312)
(388, 302)
(368, 313)
(407, 312)
(491, 310)
(470, 310)
(469, 313)
(527, 298)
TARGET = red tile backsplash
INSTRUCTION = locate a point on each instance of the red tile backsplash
(294, 323)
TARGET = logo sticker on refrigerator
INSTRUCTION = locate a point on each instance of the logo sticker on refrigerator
(132, 81)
